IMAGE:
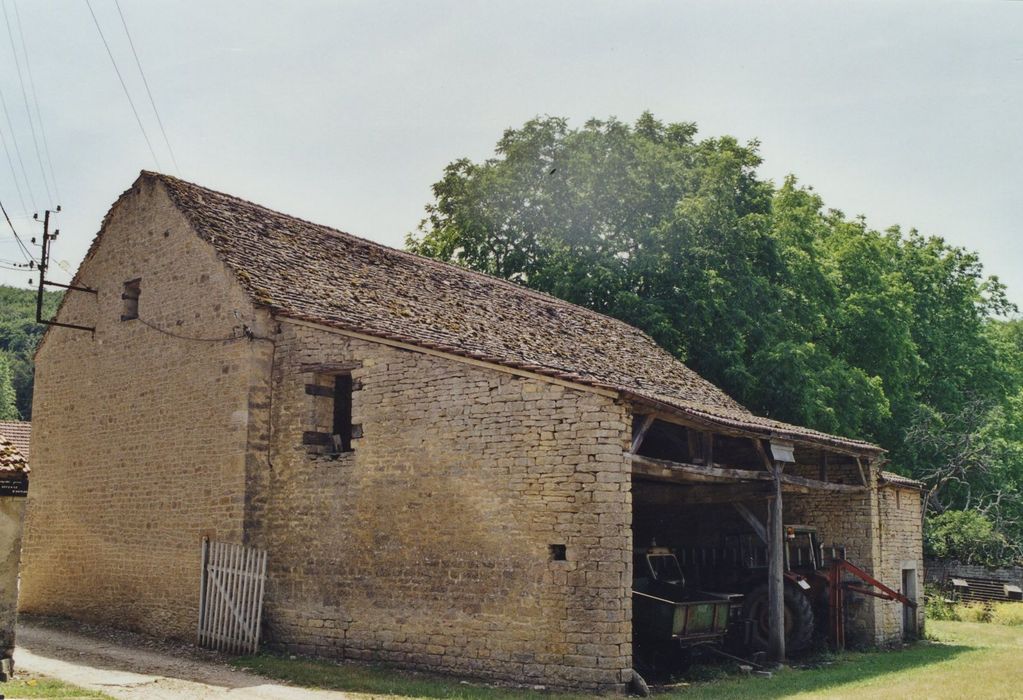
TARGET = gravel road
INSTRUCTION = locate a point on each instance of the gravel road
(134, 667)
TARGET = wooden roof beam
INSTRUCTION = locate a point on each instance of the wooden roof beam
(681, 472)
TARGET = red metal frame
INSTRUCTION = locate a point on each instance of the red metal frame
(836, 595)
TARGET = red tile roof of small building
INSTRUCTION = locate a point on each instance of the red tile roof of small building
(11, 459)
(315, 273)
(19, 432)
(894, 479)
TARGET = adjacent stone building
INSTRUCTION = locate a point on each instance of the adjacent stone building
(901, 506)
(13, 488)
(447, 470)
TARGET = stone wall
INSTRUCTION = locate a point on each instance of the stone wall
(850, 520)
(139, 435)
(902, 551)
(434, 544)
(12, 511)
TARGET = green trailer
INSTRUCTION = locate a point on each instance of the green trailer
(670, 619)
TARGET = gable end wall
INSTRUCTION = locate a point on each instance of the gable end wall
(139, 438)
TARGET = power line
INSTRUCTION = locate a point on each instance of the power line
(28, 107)
(17, 150)
(24, 249)
(148, 91)
(35, 100)
(123, 85)
(14, 174)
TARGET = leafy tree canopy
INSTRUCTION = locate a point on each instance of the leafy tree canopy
(797, 310)
(19, 336)
(966, 536)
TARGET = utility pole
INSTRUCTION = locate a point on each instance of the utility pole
(44, 264)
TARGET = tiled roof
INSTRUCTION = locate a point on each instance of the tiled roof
(11, 459)
(899, 480)
(18, 432)
(315, 273)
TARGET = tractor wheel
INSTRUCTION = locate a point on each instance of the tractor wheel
(798, 619)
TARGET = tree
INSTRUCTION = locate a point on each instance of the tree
(8, 407)
(796, 310)
(19, 336)
(969, 537)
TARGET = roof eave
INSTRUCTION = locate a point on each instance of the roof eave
(832, 443)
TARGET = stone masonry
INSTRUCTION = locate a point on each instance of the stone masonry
(851, 521)
(902, 554)
(12, 512)
(430, 545)
(13, 485)
(482, 523)
(139, 435)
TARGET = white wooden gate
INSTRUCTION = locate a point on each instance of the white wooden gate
(231, 597)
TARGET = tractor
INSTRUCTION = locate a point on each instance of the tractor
(805, 592)
(816, 580)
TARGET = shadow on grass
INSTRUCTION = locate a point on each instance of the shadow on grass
(354, 677)
(818, 678)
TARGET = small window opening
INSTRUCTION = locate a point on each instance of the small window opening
(130, 297)
(341, 432)
(558, 552)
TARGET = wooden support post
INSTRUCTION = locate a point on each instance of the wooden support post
(863, 476)
(824, 466)
(753, 521)
(693, 439)
(637, 439)
(776, 571)
(708, 449)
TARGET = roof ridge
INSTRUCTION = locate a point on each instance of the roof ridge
(296, 267)
(501, 281)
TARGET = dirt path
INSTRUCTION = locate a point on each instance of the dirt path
(118, 667)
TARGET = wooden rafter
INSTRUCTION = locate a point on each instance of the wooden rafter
(758, 445)
(704, 425)
(863, 476)
(637, 439)
(753, 521)
(701, 473)
(698, 493)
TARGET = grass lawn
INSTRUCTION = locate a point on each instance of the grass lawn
(29, 686)
(965, 660)
(976, 661)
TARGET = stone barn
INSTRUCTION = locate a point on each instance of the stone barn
(448, 471)
(13, 489)
(901, 509)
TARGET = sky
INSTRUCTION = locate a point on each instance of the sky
(345, 113)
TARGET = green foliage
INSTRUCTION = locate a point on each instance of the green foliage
(1010, 614)
(972, 612)
(36, 686)
(1005, 613)
(966, 536)
(936, 607)
(8, 407)
(19, 336)
(798, 311)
